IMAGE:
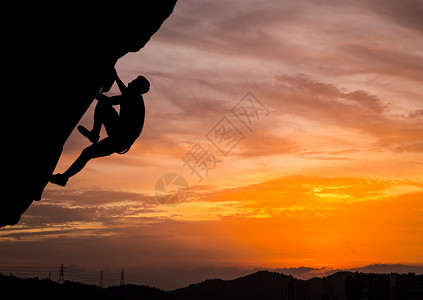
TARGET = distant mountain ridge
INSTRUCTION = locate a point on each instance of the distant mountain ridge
(388, 268)
(309, 272)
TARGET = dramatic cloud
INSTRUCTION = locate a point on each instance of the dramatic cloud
(406, 13)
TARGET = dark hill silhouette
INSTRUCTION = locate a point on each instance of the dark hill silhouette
(31, 288)
(341, 285)
(56, 59)
(262, 285)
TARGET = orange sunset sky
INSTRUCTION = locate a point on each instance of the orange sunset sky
(329, 176)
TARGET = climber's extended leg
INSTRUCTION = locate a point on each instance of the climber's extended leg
(103, 148)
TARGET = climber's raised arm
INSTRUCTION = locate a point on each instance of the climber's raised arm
(122, 87)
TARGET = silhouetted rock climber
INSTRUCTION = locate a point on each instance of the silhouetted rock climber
(122, 129)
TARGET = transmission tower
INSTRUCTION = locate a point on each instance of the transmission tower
(122, 278)
(101, 279)
(61, 276)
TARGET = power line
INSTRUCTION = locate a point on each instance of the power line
(104, 279)
(122, 278)
(61, 275)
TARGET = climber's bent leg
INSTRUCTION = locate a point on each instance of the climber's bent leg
(104, 114)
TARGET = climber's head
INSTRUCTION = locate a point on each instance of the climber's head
(139, 85)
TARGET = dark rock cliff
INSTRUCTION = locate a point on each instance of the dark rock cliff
(56, 59)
